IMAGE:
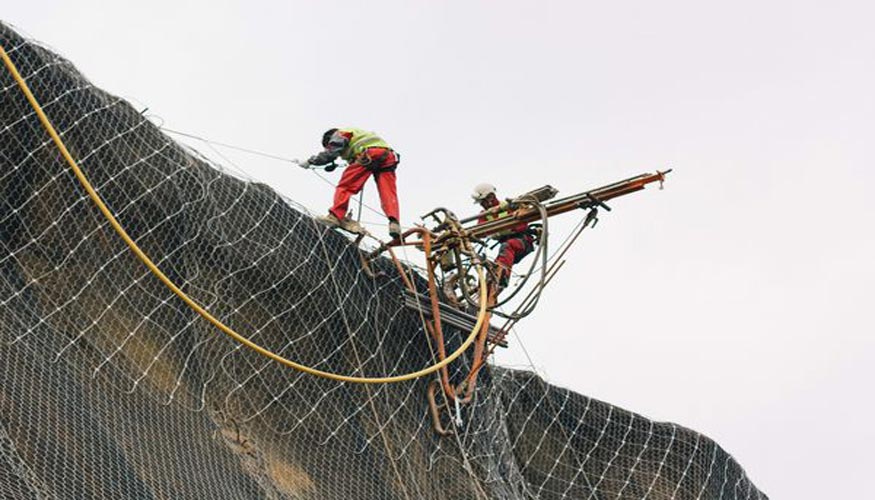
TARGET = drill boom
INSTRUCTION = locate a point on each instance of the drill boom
(588, 199)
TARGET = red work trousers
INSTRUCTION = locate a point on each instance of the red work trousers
(356, 174)
(514, 250)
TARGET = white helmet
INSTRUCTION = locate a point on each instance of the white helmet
(481, 191)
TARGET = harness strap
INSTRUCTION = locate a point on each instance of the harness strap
(529, 236)
(379, 164)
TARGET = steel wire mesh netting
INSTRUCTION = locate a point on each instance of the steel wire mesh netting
(111, 387)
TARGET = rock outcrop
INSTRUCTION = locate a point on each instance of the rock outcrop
(110, 387)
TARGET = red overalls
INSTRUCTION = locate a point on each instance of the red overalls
(514, 248)
(380, 162)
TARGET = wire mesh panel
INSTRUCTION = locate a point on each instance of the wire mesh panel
(112, 387)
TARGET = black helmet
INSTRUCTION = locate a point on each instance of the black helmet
(327, 136)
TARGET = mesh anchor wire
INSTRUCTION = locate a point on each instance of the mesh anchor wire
(458, 420)
(192, 303)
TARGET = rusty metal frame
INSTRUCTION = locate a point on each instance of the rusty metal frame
(452, 235)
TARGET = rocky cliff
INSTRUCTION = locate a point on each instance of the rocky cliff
(111, 387)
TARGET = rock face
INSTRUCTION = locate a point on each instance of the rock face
(113, 388)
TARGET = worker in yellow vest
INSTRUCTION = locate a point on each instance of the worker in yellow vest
(516, 242)
(366, 154)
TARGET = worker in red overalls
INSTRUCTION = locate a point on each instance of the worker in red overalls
(516, 242)
(366, 154)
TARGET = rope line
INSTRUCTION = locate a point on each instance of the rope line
(278, 158)
(156, 271)
(230, 146)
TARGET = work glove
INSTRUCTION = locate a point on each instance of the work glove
(316, 161)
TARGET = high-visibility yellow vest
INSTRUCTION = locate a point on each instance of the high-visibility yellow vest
(360, 141)
(503, 211)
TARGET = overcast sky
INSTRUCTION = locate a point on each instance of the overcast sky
(735, 302)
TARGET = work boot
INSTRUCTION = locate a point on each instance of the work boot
(329, 220)
(501, 278)
(394, 229)
(352, 226)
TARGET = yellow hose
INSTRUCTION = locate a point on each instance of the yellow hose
(194, 305)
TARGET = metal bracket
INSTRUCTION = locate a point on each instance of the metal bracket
(593, 217)
(593, 201)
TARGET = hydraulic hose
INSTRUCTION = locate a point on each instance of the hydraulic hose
(98, 201)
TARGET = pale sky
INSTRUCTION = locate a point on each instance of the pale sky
(735, 302)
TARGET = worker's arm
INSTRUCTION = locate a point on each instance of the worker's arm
(338, 142)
